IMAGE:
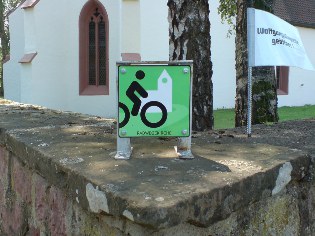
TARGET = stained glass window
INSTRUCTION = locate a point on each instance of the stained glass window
(102, 52)
(93, 50)
(97, 49)
(92, 53)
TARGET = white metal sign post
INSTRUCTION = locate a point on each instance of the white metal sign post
(250, 42)
(154, 100)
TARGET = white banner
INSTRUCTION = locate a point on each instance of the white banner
(274, 42)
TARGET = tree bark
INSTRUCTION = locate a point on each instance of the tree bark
(264, 96)
(189, 30)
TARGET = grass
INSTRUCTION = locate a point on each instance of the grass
(224, 118)
(296, 113)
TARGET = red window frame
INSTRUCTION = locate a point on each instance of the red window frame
(282, 76)
(88, 11)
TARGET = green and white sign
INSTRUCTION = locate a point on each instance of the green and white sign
(154, 100)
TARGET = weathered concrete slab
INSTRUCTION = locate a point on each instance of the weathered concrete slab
(20, 116)
(154, 188)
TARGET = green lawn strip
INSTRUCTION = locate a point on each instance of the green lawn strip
(296, 113)
(224, 118)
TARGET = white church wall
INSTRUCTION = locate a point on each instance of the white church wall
(154, 30)
(29, 30)
(130, 27)
(27, 88)
(46, 33)
(102, 105)
(223, 59)
(301, 82)
(11, 69)
(54, 73)
(11, 82)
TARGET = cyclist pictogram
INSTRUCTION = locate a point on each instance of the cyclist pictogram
(150, 101)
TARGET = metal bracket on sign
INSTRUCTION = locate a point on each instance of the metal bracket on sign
(124, 148)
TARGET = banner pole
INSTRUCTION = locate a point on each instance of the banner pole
(249, 102)
(251, 56)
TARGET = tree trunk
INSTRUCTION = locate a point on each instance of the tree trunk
(264, 96)
(190, 40)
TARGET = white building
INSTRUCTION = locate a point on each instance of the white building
(49, 63)
(300, 88)
(296, 87)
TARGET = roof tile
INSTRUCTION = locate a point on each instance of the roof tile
(298, 13)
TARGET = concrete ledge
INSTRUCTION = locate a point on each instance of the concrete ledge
(154, 190)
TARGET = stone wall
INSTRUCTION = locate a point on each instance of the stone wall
(29, 205)
(58, 177)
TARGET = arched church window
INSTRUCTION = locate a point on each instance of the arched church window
(93, 49)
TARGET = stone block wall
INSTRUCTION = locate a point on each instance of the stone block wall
(29, 205)
(61, 179)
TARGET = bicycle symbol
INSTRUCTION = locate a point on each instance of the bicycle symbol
(149, 101)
